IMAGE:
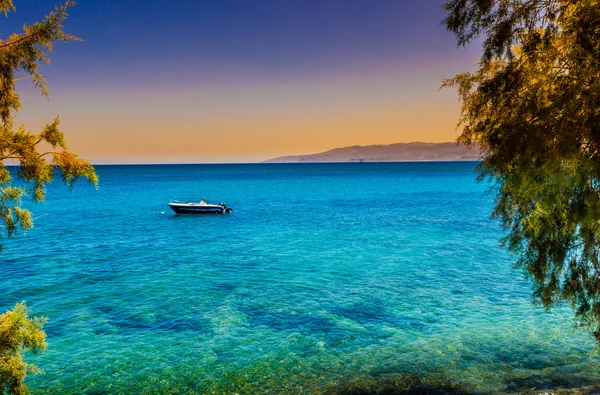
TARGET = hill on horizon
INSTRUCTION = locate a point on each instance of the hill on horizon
(400, 152)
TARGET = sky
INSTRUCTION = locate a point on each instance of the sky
(203, 81)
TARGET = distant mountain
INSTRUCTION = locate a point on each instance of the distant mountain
(402, 152)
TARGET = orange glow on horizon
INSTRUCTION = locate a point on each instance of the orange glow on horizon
(249, 125)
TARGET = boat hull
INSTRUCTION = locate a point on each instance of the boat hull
(196, 209)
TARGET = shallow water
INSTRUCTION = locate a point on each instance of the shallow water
(327, 278)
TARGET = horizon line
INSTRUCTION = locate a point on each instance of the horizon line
(276, 163)
(268, 163)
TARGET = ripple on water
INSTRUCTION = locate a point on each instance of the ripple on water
(355, 279)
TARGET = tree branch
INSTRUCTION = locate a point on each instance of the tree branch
(59, 16)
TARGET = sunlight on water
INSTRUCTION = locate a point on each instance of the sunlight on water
(335, 278)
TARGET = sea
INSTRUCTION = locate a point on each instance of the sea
(349, 278)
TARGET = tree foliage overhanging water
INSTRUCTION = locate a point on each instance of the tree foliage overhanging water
(534, 105)
(24, 53)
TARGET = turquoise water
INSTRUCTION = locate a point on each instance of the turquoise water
(327, 278)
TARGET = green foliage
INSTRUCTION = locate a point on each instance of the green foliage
(18, 333)
(25, 52)
(5, 6)
(534, 106)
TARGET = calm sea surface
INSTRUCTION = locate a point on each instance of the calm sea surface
(327, 278)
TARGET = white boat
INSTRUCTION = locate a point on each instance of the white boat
(201, 207)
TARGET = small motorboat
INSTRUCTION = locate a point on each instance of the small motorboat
(199, 208)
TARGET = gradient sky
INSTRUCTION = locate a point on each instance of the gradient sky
(233, 81)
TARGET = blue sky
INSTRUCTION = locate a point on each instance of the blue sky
(204, 64)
